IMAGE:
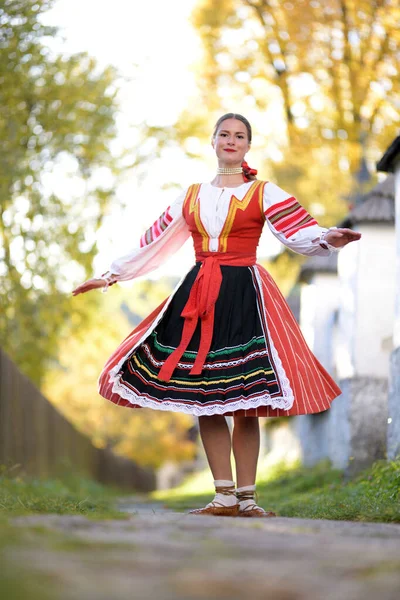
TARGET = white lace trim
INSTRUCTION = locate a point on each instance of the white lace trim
(114, 371)
(283, 379)
(284, 402)
(182, 406)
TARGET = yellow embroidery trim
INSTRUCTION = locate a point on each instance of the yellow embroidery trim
(203, 382)
(261, 199)
(194, 206)
(236, 204)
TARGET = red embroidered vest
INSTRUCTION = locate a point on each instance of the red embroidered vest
(243, 225)
(237, 246)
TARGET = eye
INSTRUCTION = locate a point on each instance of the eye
(222, 134)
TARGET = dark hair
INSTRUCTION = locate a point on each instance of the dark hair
(233, 116)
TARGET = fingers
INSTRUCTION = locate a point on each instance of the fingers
(79, 290)
(349, 232)
(92, 284)
(351, 237)
(344, 233)
(341, 236)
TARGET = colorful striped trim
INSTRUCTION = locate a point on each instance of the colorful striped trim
(156, 229)
(255, 341)
(222, 364)
(181, 381)
(192, 197)
(289, 216)
(125, 389)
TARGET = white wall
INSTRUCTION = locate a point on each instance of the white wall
(367, 298)
(318, 305)
(396, 329)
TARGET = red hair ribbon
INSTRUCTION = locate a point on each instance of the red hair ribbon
(248, 171)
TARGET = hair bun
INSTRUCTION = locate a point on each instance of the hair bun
(249, 174)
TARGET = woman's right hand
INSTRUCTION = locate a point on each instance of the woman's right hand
(90, 284)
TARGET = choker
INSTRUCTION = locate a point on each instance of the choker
(229, 170)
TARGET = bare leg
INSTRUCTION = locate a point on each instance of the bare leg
(216, 438)
(246, 447)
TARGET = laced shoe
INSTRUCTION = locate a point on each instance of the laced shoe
(251, 510)
(217, 508)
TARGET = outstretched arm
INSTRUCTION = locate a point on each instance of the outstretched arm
(297, 229)
(167, 234)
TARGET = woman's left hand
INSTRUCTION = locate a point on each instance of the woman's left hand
(341, 236)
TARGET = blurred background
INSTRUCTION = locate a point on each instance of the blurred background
(106, 113)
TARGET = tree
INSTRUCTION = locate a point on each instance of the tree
(147, 436)
(57, 113)
(320, 82)
(333, 65)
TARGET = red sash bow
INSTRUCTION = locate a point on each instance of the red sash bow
(201, 305)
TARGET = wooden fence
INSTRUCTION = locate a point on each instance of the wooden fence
(34, 435)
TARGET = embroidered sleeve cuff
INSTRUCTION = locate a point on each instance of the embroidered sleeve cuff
(109, 279)
(324, 244)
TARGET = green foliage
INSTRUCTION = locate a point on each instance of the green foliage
(57, 115)
(326, 72)
(318, 492)
(70, 494)
(372, 496)
(332, 65)
(319, 82)
(146, 436)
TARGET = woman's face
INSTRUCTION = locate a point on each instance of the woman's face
(231, 142)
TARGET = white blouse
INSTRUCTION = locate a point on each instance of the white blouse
(171, 231)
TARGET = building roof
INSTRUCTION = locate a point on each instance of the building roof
(318, 264)
(392, 155)
(375, 207)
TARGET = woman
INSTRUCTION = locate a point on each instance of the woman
(224, 342)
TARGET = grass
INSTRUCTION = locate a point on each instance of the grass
(22, 495)
(17, 580)
(69, 494)
(318, 492)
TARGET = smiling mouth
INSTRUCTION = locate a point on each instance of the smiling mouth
(229, 150)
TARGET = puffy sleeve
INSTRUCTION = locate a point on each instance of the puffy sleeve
(167, 234)
(292, 224)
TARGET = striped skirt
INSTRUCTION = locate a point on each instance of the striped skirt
(258, 364)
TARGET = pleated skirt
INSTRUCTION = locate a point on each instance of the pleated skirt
(259, 363)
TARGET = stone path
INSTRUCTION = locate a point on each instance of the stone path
(163, 555)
